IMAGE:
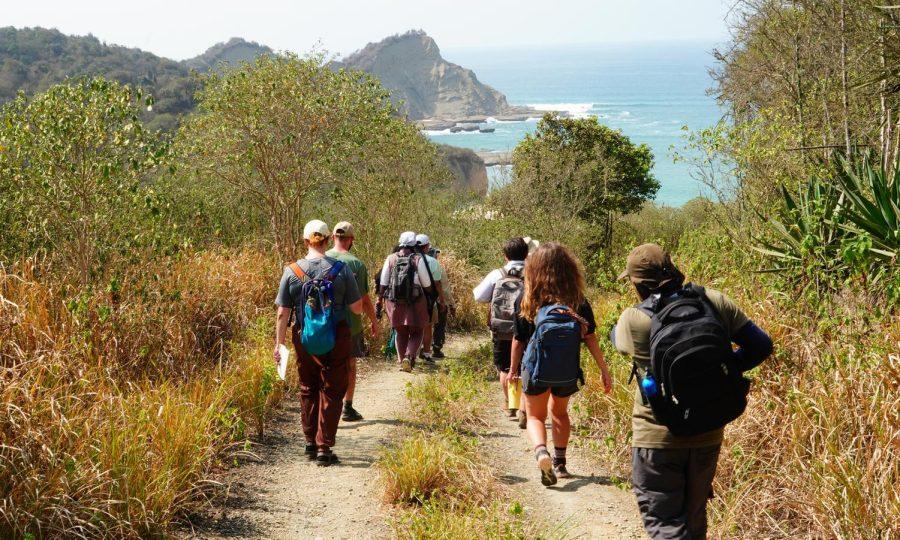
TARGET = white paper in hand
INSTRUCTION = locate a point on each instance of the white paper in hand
(283, 354)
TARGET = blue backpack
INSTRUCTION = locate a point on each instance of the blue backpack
(552, 357)
(315, 309)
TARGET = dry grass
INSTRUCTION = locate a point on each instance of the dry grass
(463, 276)
(118, 403)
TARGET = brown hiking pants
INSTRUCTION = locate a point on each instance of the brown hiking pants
(323, 382)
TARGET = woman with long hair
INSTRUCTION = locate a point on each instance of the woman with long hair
(553, 277)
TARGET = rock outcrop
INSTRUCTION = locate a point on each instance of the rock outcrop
(424, 85)
(467, 167)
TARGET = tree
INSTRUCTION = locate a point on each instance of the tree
(278, 134)
(579, 168)
(74, 164)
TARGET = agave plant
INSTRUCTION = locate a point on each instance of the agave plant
(805, 233)
(872, 204)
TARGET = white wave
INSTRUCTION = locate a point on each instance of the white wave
(431, 132)
(574, 110)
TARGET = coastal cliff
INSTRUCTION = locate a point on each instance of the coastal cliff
(428, 88)
(467, 167)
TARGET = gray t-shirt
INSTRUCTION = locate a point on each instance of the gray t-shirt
(345, 289)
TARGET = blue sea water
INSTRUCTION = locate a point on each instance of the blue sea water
(650, 91)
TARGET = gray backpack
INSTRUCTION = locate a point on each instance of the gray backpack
(402, 287)
(503, 303)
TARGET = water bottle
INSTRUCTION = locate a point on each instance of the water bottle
(648, 385)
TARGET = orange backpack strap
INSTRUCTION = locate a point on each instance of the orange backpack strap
(295, 268)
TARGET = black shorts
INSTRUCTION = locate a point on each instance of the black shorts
(535, 390)
(502, 353)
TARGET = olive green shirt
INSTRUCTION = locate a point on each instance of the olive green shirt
(361, 273)
(632, 337)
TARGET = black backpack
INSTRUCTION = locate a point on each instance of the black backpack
(698, 386)
(402, 286)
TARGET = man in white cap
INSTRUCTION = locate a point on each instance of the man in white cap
(343, 242)
(404, 283)
(439, 304)
(323, 375)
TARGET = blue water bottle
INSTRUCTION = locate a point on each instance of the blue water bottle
(648, 385)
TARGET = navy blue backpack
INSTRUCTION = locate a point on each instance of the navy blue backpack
(552, 357)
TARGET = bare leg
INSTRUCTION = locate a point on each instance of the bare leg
(559, 415)
(537, 417)
(504, 384)
(426, 338)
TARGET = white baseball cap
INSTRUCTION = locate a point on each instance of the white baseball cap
(422, 240)
(407, 239)
(531, 243)
(315, 226)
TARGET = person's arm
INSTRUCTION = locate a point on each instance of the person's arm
(515, 364)
(754, 346)
(369, 309)
(281, 324)
(356, 307)
(484, 291)
(594, 347)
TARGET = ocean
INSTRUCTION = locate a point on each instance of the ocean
(650, 91)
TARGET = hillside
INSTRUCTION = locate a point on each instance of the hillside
(234, 51)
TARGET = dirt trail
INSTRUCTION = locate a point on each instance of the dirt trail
(282, 495)
(286, 496)
(585, 506)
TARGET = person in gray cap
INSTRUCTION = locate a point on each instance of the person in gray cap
(674, 458)
(403, 284)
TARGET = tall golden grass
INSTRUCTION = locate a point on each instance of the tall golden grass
(118, 403)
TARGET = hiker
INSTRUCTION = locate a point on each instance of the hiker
(318, 291)
(680, 341)
(502, 288)
(437, 302)
(554, 320)
(440, 326)
(404, 284)
(343, 239)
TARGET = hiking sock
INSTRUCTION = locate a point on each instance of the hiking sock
(559, 456)
(348, 405)
(539, 451)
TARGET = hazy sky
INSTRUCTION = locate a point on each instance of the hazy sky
(185, 28)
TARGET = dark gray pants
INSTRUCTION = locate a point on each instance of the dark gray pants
(672, 487)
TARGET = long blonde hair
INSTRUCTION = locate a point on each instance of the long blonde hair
(552, 276)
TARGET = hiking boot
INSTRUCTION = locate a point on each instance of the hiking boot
(326, 458)
(545, 463)
(561, 471)
(437, 353)
(351, 414)
(405, 365)
(523, 419)
(513, 413)
(310, 451)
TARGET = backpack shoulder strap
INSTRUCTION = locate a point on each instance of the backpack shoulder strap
(504, 273)
(335, 269)
(648, 307)
(295, 268)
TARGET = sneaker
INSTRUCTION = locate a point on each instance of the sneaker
(351, 415)
(561, 471)
(326, 459)
(310, 452)
(513, 413)
(523, 420)
(406, 365)
(437, 353)
(545, 463)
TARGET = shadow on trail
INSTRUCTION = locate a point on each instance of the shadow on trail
(578, 481)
